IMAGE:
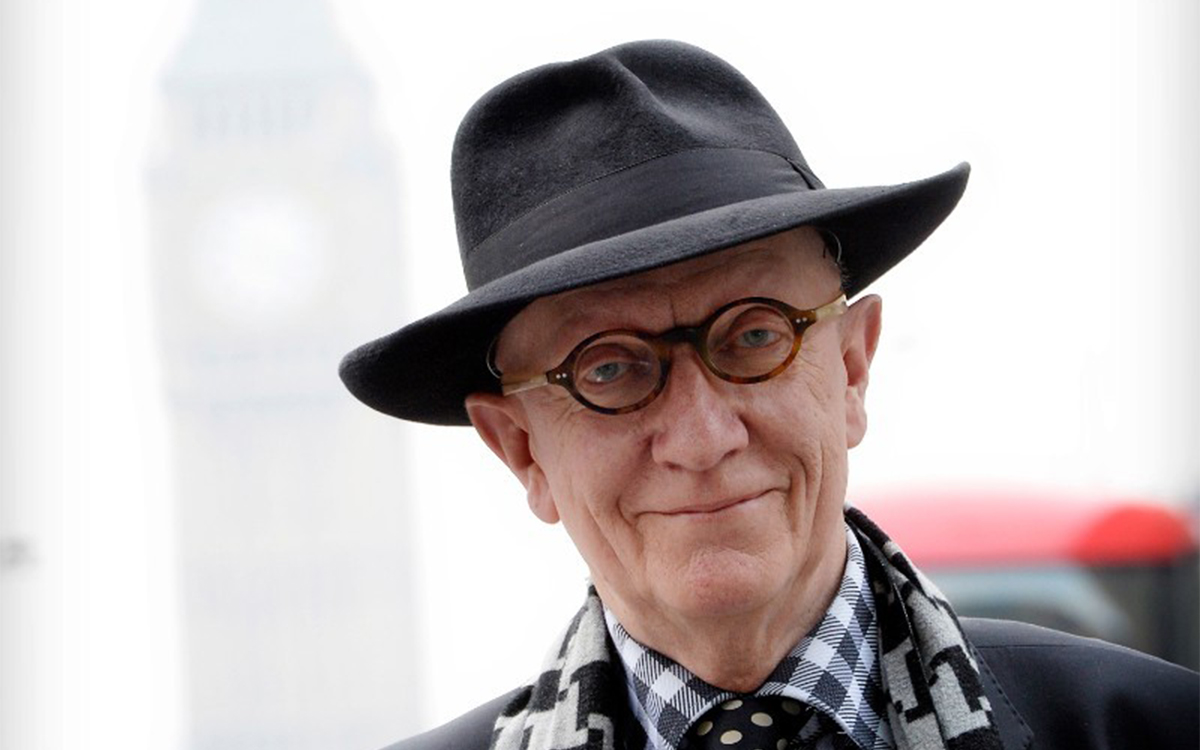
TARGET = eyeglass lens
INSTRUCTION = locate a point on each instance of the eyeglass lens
(747, 341)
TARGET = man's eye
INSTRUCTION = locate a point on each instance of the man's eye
(757, 338)
(606, 373)
(747, 331)
(612, 361)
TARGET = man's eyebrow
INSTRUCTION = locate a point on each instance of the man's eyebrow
(582, 321)
(572, 317)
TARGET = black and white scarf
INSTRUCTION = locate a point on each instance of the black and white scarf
(935, 695)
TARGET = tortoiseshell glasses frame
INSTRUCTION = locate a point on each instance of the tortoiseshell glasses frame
(619, 371)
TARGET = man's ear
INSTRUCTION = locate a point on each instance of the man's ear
(504, 427)
(860, 337)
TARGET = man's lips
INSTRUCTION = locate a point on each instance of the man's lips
(709, 508)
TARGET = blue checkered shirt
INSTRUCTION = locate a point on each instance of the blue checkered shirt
(834, 669)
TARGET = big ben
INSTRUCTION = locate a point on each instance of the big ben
(274, 244)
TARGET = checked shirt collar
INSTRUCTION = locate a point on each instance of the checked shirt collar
(835, 669)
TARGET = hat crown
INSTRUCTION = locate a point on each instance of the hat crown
(641, 156)
(555, 128)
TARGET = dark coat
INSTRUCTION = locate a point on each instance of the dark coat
(1047, 690)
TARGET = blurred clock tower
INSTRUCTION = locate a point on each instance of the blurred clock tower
(274, 251)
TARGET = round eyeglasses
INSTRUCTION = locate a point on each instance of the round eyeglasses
(615, 372)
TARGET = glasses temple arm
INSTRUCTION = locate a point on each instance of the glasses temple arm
(508, 389)
(830, 309)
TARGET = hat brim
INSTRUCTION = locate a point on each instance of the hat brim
(425, 370)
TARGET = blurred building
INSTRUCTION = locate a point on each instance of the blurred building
(274, 248)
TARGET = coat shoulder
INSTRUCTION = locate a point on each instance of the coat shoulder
(1019, 642)
(471, 731)
(1083, 692)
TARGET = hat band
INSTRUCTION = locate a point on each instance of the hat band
(650, 193)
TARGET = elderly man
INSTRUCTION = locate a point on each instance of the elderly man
(658, 344)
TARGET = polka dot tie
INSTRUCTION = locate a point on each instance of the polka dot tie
(752, 723)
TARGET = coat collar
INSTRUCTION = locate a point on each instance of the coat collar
(1015, 734)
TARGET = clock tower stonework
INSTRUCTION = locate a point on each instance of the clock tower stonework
(274, 246)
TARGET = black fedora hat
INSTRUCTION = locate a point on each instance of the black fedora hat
(636, 157)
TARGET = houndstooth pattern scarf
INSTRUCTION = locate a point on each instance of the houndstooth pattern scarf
(935, 695)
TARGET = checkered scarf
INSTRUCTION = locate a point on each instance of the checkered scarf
(935, 696)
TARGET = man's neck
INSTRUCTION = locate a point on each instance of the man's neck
(738, 653)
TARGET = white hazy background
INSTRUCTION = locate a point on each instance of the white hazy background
(1046, 336)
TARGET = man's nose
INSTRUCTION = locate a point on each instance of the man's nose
(697, 420)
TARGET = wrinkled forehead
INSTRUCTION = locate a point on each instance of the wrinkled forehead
(793, 266)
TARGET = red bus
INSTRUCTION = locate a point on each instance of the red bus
(1122, 569)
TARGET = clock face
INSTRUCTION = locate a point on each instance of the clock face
(260, 256)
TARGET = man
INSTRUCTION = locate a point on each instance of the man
(657, 342)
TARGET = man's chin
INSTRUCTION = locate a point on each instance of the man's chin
(723, 584)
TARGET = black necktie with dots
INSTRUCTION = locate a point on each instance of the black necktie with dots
(768, 722)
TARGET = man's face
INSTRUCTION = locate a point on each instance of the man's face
(717, 499)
